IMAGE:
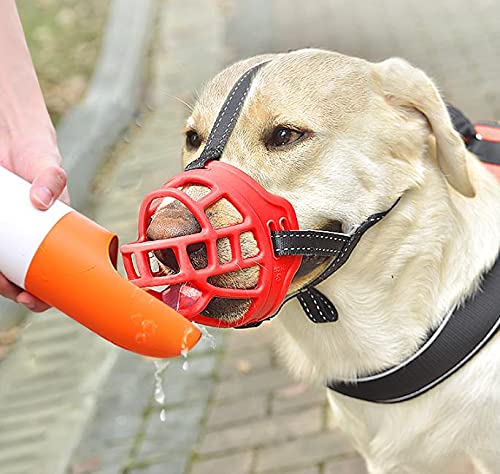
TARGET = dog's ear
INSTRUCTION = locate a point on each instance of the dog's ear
(405, 85)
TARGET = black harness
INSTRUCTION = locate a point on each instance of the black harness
(460, 336)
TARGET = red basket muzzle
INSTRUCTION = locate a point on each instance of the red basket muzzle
(261, 211)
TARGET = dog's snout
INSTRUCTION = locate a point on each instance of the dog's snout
(173, 220)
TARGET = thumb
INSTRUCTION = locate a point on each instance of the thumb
(49, 182)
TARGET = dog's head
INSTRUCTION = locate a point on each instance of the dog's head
(340, 138)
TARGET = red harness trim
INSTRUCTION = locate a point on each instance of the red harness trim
(490, 133)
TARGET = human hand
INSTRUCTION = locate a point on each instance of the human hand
(28, 144)
(37, 161)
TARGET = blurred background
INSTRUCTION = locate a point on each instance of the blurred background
(453, 41)
(64, 37)
(71, 403)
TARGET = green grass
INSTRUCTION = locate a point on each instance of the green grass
(64, 37)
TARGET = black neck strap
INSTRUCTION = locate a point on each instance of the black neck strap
(459, 337)
(317, 307)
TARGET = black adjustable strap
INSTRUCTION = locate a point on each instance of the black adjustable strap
(317, 307)
(447, 349)
(351, 244)
(308, 242)
(226, 120)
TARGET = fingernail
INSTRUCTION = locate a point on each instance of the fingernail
(30, 306)
(44, 196)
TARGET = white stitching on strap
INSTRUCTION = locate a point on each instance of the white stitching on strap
(328, 303)
(304, 306)
(331, 269)
(315, 236)
(289, 249)
(317, 306)
(350, 244)
(231, 120)
(221, 115)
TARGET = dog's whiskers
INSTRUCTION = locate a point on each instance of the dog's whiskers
(187, 104)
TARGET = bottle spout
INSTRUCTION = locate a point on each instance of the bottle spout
(74, 270)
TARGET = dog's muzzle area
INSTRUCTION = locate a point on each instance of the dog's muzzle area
(241, 253)
(175, 220)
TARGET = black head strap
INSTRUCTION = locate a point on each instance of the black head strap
(226, 120)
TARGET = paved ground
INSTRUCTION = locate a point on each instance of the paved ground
(234, 410)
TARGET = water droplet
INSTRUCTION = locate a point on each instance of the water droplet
(159, 395)
(185, 365)
(160, 368)
(207, 336)
(184, 348)
(163, 415)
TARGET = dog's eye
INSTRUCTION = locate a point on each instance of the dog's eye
(282, 136)
(193, 140)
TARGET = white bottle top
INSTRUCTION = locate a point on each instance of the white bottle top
(22, 227)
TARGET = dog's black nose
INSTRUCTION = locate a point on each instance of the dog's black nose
(173, 220)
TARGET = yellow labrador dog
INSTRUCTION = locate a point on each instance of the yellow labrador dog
(341, 139)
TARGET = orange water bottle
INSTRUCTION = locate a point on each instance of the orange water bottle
(69, 261)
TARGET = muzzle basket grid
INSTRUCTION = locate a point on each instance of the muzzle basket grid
(261, 213)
